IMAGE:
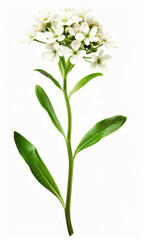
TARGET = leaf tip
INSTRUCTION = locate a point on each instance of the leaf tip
(100, 74)
(37, 87)
(15, 134)
(125, 118)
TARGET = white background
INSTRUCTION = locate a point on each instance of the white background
(107, 200)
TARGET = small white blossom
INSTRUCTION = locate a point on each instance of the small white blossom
(106, 39)
(83, 13)
(91, 21)
(76, 54)
(53, 52)
(99, 62)
(75, 29)
(40, 26)
(30, 35)
(66, 17)
(89, 35)
(71, 33)
(56, 35)
(44, 16)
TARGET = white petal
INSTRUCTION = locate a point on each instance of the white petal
(102, 68)
(50, 37)
(29, 41)
(59, 31)
(31, 31)
(51, 40)
(85, 27)
(93, 65)
(49, 34)
(40, 26)
(81, 53)
(56, 45)
(61, 38)
(54, 25)
(74, 59)
(94, 39)
(86, 40)
(72, 31)
(23, 40)
(60, 52)
(106, 59)
(93, 31)
(113, 44)
(101, 53)
(94, 57)
(77, 27)
(76, 45)
(26, 40)
(67, 50)
(54, 59)
(49, 46)
(79, 36)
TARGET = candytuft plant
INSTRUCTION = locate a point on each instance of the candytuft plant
(69, 35)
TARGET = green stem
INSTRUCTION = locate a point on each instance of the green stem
(70, 156)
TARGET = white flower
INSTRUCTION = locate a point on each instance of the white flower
(83, 13)
(91, 21)
(53, 52)
(40, 26)
(59, 28)
(75, 53)
(30, 35)
(44, 16)
(75, 29)
(100, 61)
(89, 35)
(66, 17)
(56, 35)
(106, 39)
(67, 51)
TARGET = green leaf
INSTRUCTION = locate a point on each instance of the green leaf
(100, 130)
(69, 66)
(62, 65)
(49, 76)
(84, 81)
(38, 168)
(46, 104)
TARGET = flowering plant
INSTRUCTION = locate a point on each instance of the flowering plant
(68, 36)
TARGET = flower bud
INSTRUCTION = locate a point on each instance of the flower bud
(40, 27)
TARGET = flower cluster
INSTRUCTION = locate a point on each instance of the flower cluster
(70, 32)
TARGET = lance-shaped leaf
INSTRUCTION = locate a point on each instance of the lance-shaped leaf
(46, 104)
(62, 65)
(69, 66)
(84, 81)
(49, 76)
(61, 68)
(38, 168)
(100, 130)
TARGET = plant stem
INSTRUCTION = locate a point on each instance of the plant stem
(70, 156)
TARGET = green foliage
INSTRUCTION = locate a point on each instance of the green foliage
(100, 130)
(83, 82)
(95, 134)
(48, 75)
(30, 155)
(46, 104)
